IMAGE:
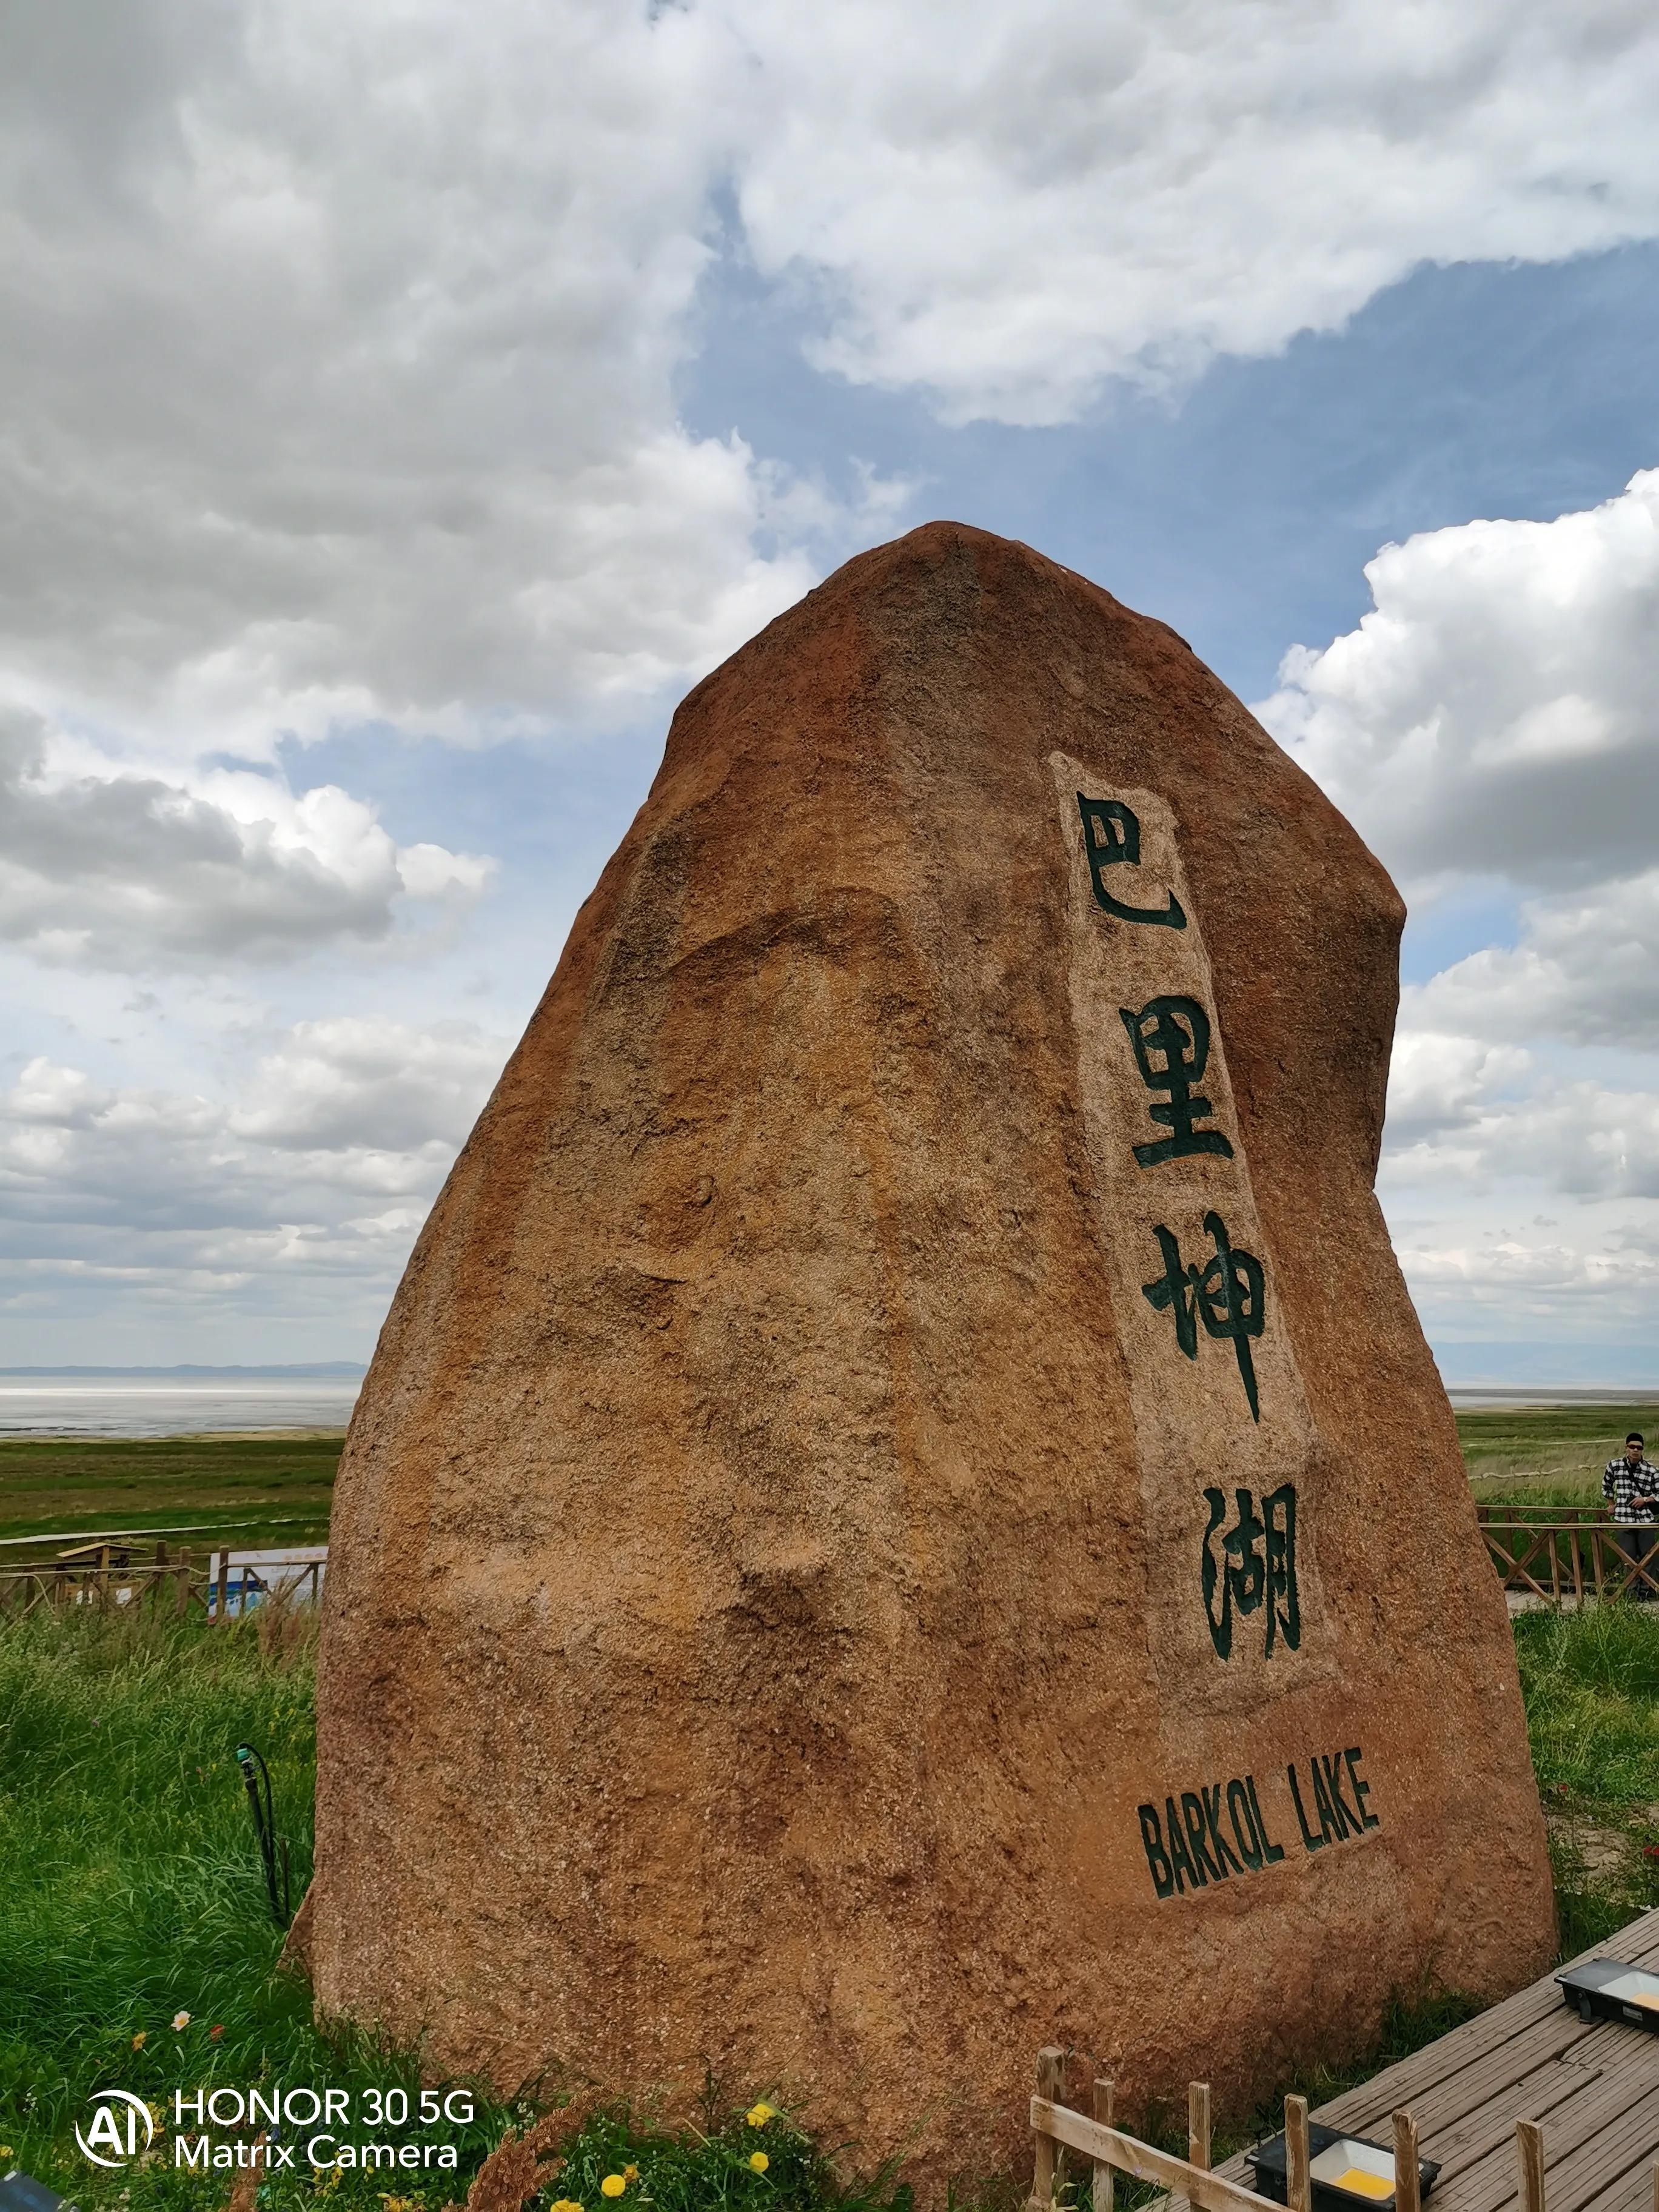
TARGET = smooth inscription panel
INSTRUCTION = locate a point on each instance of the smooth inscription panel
(1229, 1462)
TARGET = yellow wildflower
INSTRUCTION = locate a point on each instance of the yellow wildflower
(758, 2115)
(5, 2150)
(567, 2204)
(181, 2020)
(759, 2160)
(630, 2173)
(612, 2186)
(141, 2039)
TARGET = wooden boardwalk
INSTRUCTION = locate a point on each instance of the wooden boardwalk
(1593, 2087)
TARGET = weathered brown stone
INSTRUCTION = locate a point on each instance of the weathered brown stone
(766, 1562)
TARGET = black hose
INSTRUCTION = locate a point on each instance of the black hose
(256, 1778)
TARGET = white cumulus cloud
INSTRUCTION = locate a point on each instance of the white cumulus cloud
(1008, 208)
(104, 866)
(317, 1168)
(1494, 717)
(1496, 711)
(344, 336)
(343, 339)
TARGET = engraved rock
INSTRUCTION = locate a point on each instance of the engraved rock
(902, 1512)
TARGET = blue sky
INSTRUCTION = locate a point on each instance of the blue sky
(403, 415)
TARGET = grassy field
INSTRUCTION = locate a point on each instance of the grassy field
(132, 1894)
(1548, 1455)
(138, 1950)
(249, 1490)
(259, 1490)
(1591, 1685)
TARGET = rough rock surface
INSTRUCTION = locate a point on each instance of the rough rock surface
(825, 1507)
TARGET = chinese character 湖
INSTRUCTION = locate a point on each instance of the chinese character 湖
(1171, 1041)
(1227, 1294)
(1257, 1567)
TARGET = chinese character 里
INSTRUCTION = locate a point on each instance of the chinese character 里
(1171, 1041)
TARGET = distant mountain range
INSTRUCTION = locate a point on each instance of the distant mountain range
(343, 1368)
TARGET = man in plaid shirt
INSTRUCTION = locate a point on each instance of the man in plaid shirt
(1630, 1488)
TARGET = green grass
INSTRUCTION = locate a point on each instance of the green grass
(265, 1490)
(133, 1892)
(131, 1889)
(1591, 1684)
(256, 1491)
(1546, 1454)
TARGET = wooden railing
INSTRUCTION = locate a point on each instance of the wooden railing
(1108, 2151)
(175, 1588)
(171, 1585)
(1560, 1553)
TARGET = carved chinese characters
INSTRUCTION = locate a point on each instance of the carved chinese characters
(1252, 1565)
(1223, 1433)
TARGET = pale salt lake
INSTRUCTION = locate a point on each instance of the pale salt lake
(137, 1406)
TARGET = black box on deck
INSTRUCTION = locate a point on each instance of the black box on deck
(1608, 1989)
(1346, 2172)
(21, 2192)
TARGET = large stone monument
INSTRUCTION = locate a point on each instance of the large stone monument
(902, 1512)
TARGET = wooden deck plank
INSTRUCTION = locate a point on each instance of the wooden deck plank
(1542, 2095)
(1638, 1944)
(1588, 2143)
(1606, 2040)
(1633, 2191)
(1440, 2106)
(1594, 2085)
(1606, 2161)
(1596, 2151)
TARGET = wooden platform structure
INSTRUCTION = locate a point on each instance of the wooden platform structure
(1527, 2106)
(1563, 1555)
(1592, 2086)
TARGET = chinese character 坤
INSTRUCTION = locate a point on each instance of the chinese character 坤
(1171, 1041)
(1227, 1294)
(1257, 1567)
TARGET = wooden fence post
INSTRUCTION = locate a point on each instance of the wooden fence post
(1198, 2124)
(1407, 2176)
(1299, 2184)
(220, 1613)
(1100, 2194)
(1051, 2086)
(182, 1572)
(1529, 2157)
